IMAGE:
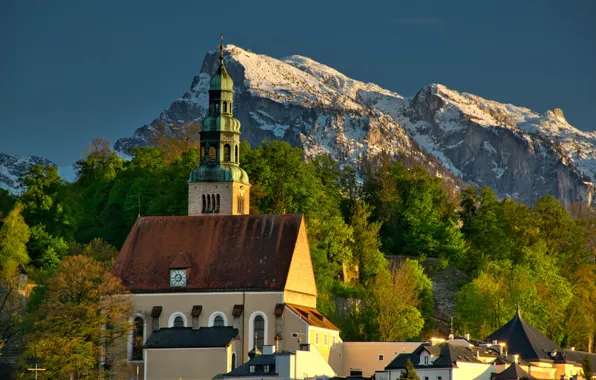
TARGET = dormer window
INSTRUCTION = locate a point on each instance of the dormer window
(251, 369)
(177, 277)
(425, 359)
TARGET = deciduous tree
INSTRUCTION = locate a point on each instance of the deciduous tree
(84, 316)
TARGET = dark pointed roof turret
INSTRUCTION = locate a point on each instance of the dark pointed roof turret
(525, 340)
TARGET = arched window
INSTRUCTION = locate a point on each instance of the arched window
(233, 360)
(236, 153)
(259, 329)
(202, 153)
(227, 151)
(240, 204)
(213, 204)
(211, 107)
(217, 318)
(217, 204)
(208, 204)
(138, 338)
(225, 106)
(216, 107)
(218, 321)
(178, 322)
(212, 153)
(177, 319)
(204, 204)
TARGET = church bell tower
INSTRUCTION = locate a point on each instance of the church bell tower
(219, 186)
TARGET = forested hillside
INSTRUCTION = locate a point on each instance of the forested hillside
(540, 258)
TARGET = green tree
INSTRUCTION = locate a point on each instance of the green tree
(101, 163)
(418, 218)
(12, 301)
(14, 235)
(83, 316)
(46, 201)
(410, 372)
(394, 300)
(365, 247)
(45, 249)
(7, 201)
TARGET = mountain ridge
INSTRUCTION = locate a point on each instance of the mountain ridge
(512, 149)
(516, 151)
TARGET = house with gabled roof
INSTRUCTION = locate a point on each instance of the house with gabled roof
(209, 287)
(444, 361)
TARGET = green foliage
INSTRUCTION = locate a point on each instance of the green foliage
(7, 201)
(366, 245)
(45, 249)
(410, 372)
(418, 219)
(538, 257)
(14, 235)
(46, 201)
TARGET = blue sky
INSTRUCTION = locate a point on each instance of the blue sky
(74, 70)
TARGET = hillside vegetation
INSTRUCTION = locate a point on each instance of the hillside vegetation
(540, 258)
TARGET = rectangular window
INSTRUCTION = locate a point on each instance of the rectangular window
(266, 368)
(426, 361)
(439, 378)
(317, 339)
(294, 335)
(333, 340)
(425, 377)
(381, 357)
(155, 323)
(251, 369)
(325, 340)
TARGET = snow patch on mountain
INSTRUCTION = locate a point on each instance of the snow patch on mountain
(13, 167)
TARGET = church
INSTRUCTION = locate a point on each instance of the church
(212, 289)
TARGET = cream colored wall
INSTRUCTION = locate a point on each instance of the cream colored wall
(467, 371)
(228, 197)
(293, 324)
(323, 348)
(541, 370)
(237, 189)
(312, 363)
(188, 364)
(301, 277)
(301, 299)
(365, 355)
(568, 370)
(213, 302)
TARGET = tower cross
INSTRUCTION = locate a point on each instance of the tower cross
(221, 48)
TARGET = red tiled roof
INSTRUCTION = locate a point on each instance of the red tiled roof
(312, 316)
(243, 252)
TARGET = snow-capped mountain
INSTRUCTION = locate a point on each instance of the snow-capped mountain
(12, 167)
(514, 150)
(297, 100)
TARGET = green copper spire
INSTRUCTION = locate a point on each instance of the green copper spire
(220, 133)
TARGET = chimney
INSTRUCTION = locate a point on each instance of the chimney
(516, 358)
(572, 348)
(268, 350)
(467, 337)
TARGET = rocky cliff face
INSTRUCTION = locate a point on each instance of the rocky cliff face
(514, 150)
(12, 167)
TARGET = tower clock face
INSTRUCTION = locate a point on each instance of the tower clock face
(177, 277)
